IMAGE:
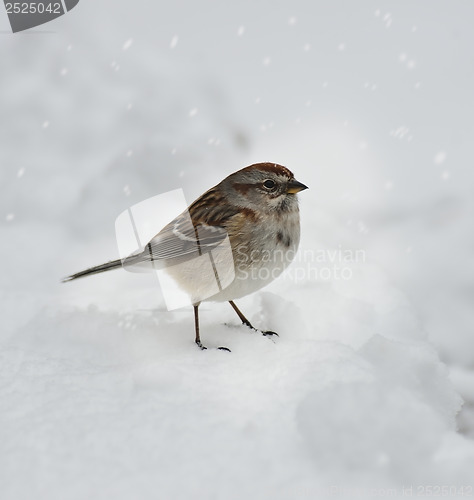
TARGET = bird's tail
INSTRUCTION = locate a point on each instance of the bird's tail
(108, 266)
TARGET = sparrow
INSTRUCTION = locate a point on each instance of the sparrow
(233, 240)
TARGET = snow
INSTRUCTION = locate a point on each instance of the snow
(123, 403)
(102, 390)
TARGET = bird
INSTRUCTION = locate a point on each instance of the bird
(233, 240)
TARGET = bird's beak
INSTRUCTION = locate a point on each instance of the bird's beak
(295, 187)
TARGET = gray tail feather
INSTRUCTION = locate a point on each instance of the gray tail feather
(108, 266)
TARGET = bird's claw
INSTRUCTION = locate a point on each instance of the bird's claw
(269, 333)
(204, 348)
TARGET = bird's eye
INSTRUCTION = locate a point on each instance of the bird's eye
(269, 184)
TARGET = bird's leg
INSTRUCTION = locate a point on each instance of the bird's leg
(246, 322)
(198, 338)
(196, 327)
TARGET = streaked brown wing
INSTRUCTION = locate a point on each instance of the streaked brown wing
(181, 238)
(198, 230)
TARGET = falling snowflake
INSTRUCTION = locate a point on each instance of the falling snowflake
(266, 61)
(341, 47)
(306, 47)
(9, 217)
(127, 44)
(387, 19)
(174, 42)
(45, 124)
(445, 175)
(241, 30)
(363, 229)
(292, 21)
(439, 157)
(193, 112)
(126, 190)
(400, 132)
(21, 172)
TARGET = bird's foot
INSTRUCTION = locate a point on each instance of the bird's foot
(265, 333)
(269, 333)
(204, 348)
(199, 344)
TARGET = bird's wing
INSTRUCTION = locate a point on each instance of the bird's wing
(198, 230)
(182, 238)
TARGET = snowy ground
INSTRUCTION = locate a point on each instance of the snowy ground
(103, 392)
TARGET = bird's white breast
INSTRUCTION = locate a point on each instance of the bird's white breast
(258, 263)
(258, 254)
